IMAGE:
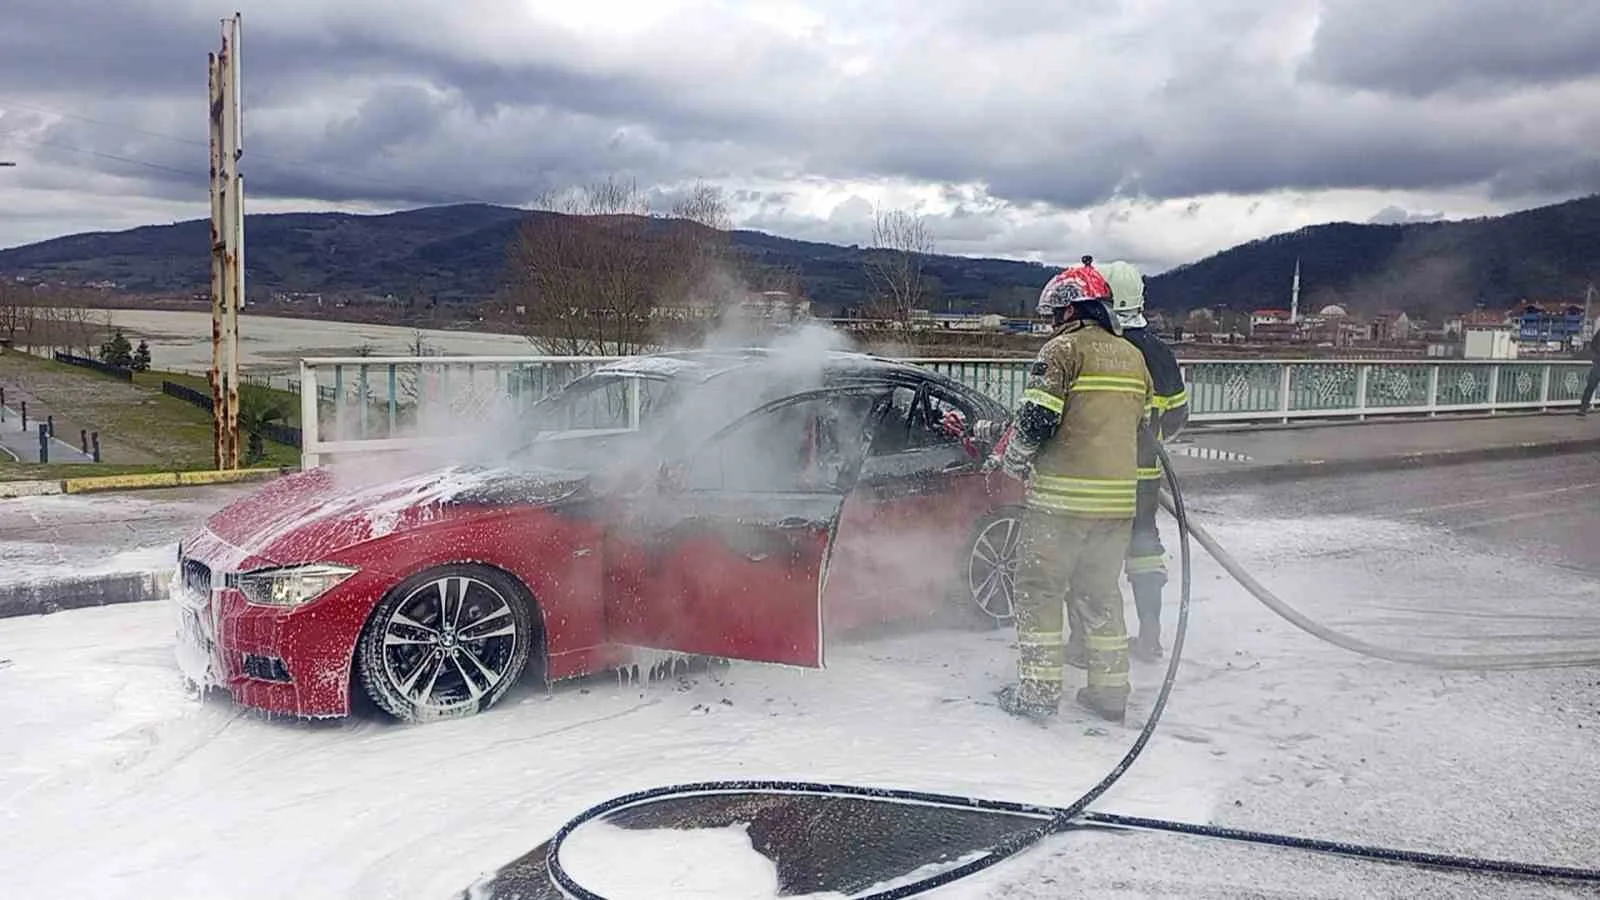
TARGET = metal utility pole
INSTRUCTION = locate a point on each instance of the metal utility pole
(227, 243)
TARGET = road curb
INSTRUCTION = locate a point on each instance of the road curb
(57, 594)
(1298, 471)
(94, 484)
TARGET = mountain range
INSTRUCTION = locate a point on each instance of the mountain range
(457, 254)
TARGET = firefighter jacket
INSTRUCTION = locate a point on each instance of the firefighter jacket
(1078, 423)
(1169, 406)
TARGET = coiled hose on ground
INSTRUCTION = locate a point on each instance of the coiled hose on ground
(1054, 820)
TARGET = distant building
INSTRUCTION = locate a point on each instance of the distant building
(1477, 319)
(1539, 323)
(775, 306)
(1390, 328)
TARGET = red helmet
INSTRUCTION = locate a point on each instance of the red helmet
(1072, 285)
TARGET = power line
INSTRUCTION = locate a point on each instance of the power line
(103, 155)
(8, 102)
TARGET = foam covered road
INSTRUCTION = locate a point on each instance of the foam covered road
(114, 783)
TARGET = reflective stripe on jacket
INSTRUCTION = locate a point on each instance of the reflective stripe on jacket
(1100, 387)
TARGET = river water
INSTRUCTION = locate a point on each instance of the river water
(181, 341)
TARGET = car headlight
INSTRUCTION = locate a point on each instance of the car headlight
(290, 586)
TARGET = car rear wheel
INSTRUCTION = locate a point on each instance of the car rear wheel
(446, 643)
(992, 568)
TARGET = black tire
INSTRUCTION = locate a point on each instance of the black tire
(987, 588)
(464, 674)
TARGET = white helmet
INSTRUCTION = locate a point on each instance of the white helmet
(1127, 293)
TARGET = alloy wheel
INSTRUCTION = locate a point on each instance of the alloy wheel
(992, 567)
(450, 642)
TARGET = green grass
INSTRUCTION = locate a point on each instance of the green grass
(289, 401)
(141, 429)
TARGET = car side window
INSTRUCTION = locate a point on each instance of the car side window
(808, 446)
(927, 417)
(889, 437)
(911, 439)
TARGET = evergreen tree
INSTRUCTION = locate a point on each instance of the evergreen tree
(141, 357)
(117, 351)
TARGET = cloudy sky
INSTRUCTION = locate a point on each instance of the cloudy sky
(1153, 130)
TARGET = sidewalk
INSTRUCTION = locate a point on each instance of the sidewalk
(23, 446)
(1299, 452)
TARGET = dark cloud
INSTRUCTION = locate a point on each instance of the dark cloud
(1420, 47)
(1578, 174)
(1010, 110)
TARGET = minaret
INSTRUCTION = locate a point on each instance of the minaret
(1294, 297)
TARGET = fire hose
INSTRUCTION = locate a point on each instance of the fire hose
(1056, 820)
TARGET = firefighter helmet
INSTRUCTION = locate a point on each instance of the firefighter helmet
(1077, 284)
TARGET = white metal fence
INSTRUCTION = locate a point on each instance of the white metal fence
(369, 404)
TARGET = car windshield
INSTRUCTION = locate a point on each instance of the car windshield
(614, 410)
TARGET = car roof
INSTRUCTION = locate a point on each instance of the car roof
(703, 365)
(839, 367)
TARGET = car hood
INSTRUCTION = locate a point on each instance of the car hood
(308, 516)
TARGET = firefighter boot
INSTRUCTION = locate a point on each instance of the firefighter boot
(1013, 700)
(1105, 707)
(1147, 601)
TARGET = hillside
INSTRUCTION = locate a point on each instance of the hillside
(458, 253)
(453, 253)
(1424, 268)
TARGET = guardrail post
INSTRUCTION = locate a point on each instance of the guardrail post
(1544, 387)
(1494, 388)
(1362, 379)
(394, 398)
(1285, 384)
(44, 443)
(338, 401)
(310, 408)
(94, 442)
(50, 423)
(365, 393)
(83, 440)
(24, 415)
(1433, 391)
(635, 403)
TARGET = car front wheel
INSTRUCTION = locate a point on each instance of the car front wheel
(446, 643)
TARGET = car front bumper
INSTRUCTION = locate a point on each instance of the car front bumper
(293, 662)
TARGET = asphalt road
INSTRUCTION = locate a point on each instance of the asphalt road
(1497, 557)
(1547, 510)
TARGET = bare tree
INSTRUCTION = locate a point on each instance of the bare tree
(593, 271)
(901, 244)
(700, 277)
(580, 270)
(16, 312)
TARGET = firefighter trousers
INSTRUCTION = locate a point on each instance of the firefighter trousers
(1145, 565)
(1147, 557)
(1076, 560)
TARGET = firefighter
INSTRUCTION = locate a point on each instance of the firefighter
(1075, 445)
(1146, 564)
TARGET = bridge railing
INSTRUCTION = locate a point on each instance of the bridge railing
(369, 404)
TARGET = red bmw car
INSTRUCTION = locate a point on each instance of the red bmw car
(734, 505)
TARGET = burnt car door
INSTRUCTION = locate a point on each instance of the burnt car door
(912, 510)
(728, 555)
